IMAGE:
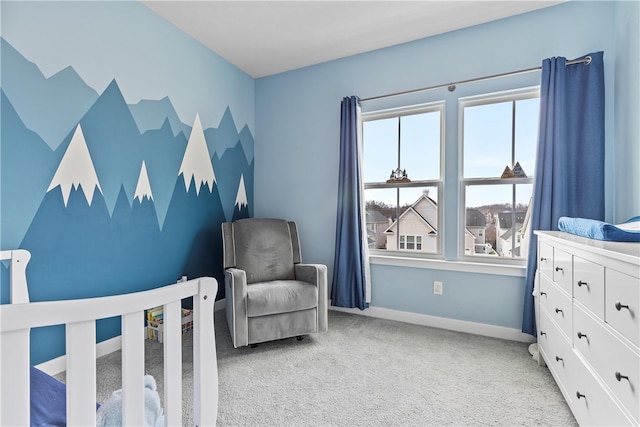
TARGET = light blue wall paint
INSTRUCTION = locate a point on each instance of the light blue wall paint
(114, 242)
(297, 144)
(627, 111)
(149, 57)
(465, 294)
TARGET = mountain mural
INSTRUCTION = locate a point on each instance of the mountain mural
(76, 170)
(45, 114)
(234, 166)
(113, 198)
(196, 163)
(21, 188)
(150, 114)
(241, 208)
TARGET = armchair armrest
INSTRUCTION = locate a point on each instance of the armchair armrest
(235, 281)
(317, 275)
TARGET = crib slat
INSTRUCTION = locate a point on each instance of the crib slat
(19, 260)
(14, 379)
(173, 364)
(81, 373)
(205, 365)
(133, 369)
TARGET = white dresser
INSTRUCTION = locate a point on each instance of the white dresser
(589, 325)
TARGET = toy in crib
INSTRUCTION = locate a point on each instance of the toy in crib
(110, 412)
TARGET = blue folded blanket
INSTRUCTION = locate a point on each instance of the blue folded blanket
(594, 229)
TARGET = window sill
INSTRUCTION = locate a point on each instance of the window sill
(459, 266)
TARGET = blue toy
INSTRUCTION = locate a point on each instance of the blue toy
(110, 412)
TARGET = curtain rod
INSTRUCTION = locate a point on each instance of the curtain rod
(452, 86)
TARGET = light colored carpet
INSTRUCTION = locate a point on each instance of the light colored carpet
(370, 372)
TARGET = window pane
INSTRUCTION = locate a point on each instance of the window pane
(487, 139)
(526, 134)
(420, 145)
(380, 212)
(411, 225)
(380, 150)
(497, 220)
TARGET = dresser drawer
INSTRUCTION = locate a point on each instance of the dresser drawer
(614, 361)
(558, 305)
(545, 259)
(556, 351)
(622, 304)
(562, 269)
(588, 285)
(591, 404)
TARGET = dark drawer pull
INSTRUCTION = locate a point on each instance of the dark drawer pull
(559, 359)
(542, 293)
(542, 333)
(580, 395)
(620, 306)
(581, 335)
(621, 377)
(543, 259)
(559, 311)
(580, 283)
(559, 269)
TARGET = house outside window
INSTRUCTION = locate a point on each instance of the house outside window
(402, 170)
(498, 145)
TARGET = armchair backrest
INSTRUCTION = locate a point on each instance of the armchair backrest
(266, 249)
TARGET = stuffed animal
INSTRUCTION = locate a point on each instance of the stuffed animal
(110, 412)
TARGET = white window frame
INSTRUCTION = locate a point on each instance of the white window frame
(404, 242)
(438, 183)
(483, 99)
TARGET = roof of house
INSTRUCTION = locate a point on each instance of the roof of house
(375, 216)
(475, 218)
(505, 218)
(412, 209)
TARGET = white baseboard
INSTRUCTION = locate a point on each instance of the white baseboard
(59, 364)
(442, 323)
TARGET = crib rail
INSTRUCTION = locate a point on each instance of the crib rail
(80, 316)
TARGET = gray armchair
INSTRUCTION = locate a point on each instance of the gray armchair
(269, 293)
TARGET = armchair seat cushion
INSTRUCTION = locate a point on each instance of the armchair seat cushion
(280, 296)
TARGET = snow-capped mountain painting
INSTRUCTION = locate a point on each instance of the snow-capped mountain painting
(241, 198)
(76, 170)
(196, 163)
(143, 189)
(117, 196)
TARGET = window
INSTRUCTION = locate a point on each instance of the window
(402, 170)
(411, 243)
(488, 196)
(498, 146)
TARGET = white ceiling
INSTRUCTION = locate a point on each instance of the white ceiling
(269, 37)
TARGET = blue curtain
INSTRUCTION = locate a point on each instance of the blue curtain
(569, 176)
(349, 282)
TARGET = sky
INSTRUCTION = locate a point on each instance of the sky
(487, 150)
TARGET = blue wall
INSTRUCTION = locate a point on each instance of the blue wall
(297, 145)
(626, 146)
(124, 143)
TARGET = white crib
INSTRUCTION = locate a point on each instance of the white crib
(79, 317)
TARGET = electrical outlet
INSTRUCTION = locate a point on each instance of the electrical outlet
(437, 288)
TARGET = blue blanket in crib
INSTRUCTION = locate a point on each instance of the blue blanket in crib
(594, 229)
(48, 400)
